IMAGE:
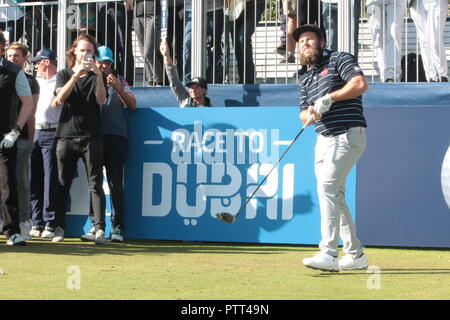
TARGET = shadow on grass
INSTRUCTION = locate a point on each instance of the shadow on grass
(76, 247)
(406, 271)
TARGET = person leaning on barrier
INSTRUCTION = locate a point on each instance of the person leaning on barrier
(18, 53)
(80, 90)
(14, 88)
(330, 97)
(44, 172)
(198, 87)
(114, 128)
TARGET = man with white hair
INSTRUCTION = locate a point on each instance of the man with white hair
(44, 171)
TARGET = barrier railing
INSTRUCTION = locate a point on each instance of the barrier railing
(243, 41)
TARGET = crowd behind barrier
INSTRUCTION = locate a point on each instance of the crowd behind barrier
(246, 41)
(117, 44)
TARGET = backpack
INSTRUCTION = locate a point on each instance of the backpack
(409, 69)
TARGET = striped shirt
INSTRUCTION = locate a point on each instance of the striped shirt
(331, 73)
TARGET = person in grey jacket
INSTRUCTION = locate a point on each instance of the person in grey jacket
(198, 87)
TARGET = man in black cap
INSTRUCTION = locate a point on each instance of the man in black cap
(330, 97)
(198, 87)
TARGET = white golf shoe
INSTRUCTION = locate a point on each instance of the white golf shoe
(48, 233)
(322, 261)
(100, 237)
(90, 236)
(36, 231)
(349, 262)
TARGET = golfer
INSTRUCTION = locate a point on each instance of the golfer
(330, 97)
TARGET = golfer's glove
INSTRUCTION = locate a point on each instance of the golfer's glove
(9, 139)
(323, 104)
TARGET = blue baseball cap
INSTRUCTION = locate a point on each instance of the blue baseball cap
(44, 54)
(104, 53)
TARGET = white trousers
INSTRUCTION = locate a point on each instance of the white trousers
(429, 17)
(386, 22)
(334, 158)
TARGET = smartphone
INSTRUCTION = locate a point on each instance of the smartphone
(88, 57)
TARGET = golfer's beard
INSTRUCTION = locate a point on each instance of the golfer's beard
(311, 59)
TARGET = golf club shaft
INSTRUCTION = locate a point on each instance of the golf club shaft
(276, 164)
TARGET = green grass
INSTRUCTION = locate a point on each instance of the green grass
(180, 270)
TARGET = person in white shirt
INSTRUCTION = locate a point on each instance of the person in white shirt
(386, 26)
(44, 173)
(429, 16)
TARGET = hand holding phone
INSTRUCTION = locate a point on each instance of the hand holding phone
(88, 57)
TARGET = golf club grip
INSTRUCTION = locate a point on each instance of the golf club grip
(276, 164)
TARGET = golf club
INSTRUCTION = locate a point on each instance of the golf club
(228, 217)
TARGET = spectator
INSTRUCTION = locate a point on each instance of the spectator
(330, 18)
(290, 12)
(147, 27)
(113, 26)
(18, 53)
(12, 19)
(44, 173)
(114, 127)
(281, 49)
(81, 90)
(13, 84)
(214, 59)
(386, 26)
(242, 18)
(198, 87)
(429, 17)
(300, 12)
(82, 19)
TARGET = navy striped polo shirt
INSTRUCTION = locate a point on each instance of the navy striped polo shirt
(331, 73)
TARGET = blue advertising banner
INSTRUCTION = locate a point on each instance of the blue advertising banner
(185, 165)
(400, 194)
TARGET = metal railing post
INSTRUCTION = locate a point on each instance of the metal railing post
(198, 39)
(345, 25)
(62, 34)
